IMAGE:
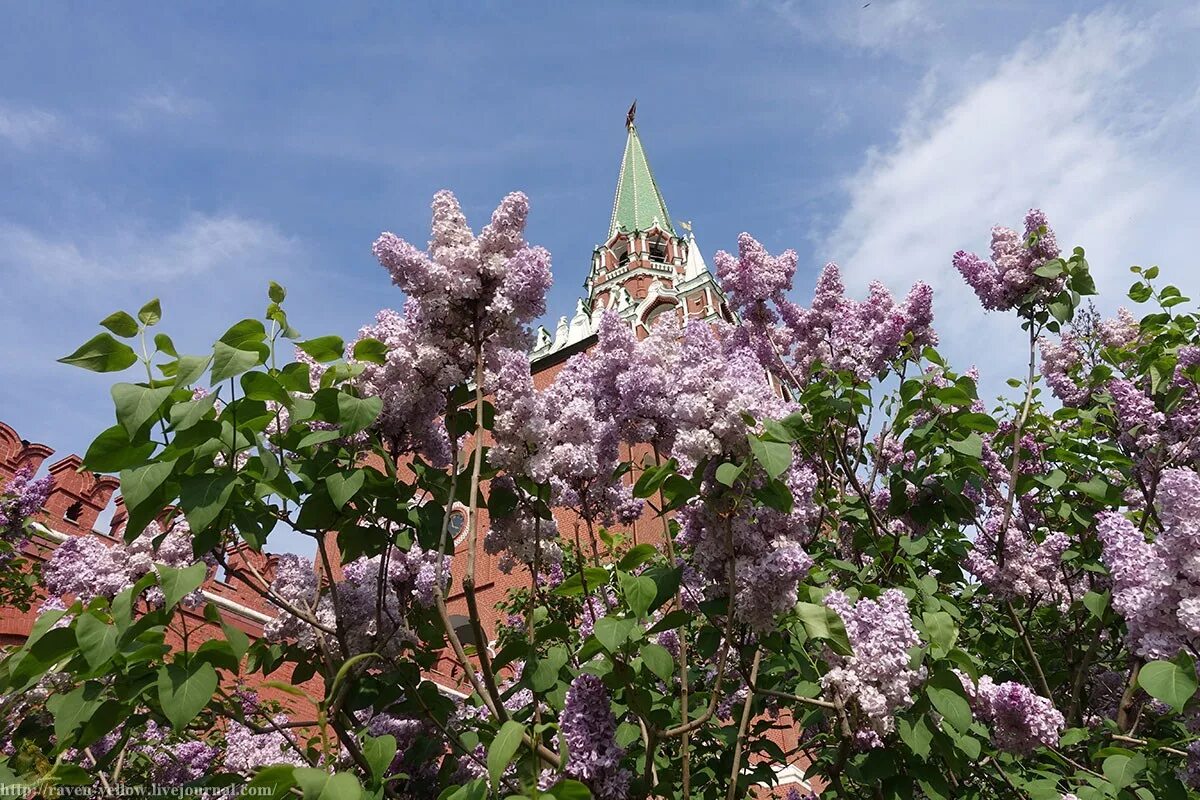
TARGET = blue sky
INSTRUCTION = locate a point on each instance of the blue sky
(193, 153)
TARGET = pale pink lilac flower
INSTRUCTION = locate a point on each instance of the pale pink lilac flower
(877, 680)
(1156, 584)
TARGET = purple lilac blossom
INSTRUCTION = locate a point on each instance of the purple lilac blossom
(410, 581)
(1156, 585)
(589, 728)
(463, 292)
(21, 498)
(1009, 277)
(85, 568)
(1032, 569)
(877, 680)
(1021, 720)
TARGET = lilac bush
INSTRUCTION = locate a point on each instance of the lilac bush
(839, 545)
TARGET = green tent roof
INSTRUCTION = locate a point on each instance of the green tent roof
(638, 204)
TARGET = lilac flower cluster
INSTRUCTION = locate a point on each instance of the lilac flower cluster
(516, 536)
(21, 498)
(589, 728)
(174, 763)
(409, 579)
(563, 436)
(1060, 365)
(1032, 569)
(247, 751)
(85, 568)
(1021, 721)
(465, 292)
(843, 334)
(414, 756)
(763, 545)
(877, 680)
(1156, 585)
(1190, 774)
(1009, 277)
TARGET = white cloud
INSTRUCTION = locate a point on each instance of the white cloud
(201, 244)
(27, 128)
(1078, 121)
(159, 104)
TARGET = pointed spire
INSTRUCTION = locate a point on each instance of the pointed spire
(638, 204)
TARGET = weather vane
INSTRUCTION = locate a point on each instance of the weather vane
(632, 113)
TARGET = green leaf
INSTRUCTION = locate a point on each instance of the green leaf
(140, 483)
(97, 640)
(121, 324)
(822, 622)
(245, 335)
(1096, 603)
(324, 348)
(137, 404)
(71, 710)
(639, 592)
(652, 479)
(151, 313)
(945, 691)
(1051, 269)
(612, 632)
(275, 292)
(371, 350)
(229, 362)
(185, 415)
(188, 369)
(503, 748)
(569, 790)
(203, 498)
(102, 353)
(380, 752)
(317, 437)
(294, 377)
(638, 554)
(942, 632)
(261, 386)
(728, 474)
(178, 582)
(164, 345)
(970, 446)
(317, 784)
(917, 735)
(1168, 682)
(112, 451)
(356, 414)
(545, 674)
(775, 457)
(659, 661)
(184, 691)
(343, 486)
(1122, 770)
(573, 585)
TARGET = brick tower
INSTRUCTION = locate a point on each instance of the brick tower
(644, 268)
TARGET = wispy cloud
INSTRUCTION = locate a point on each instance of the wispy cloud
(1068, 127)
(874, 25)
(199, 245)
(159, 104)
(29, 128)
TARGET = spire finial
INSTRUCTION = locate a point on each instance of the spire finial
(629, 116)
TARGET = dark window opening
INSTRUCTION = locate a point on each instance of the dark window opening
(74, 512)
